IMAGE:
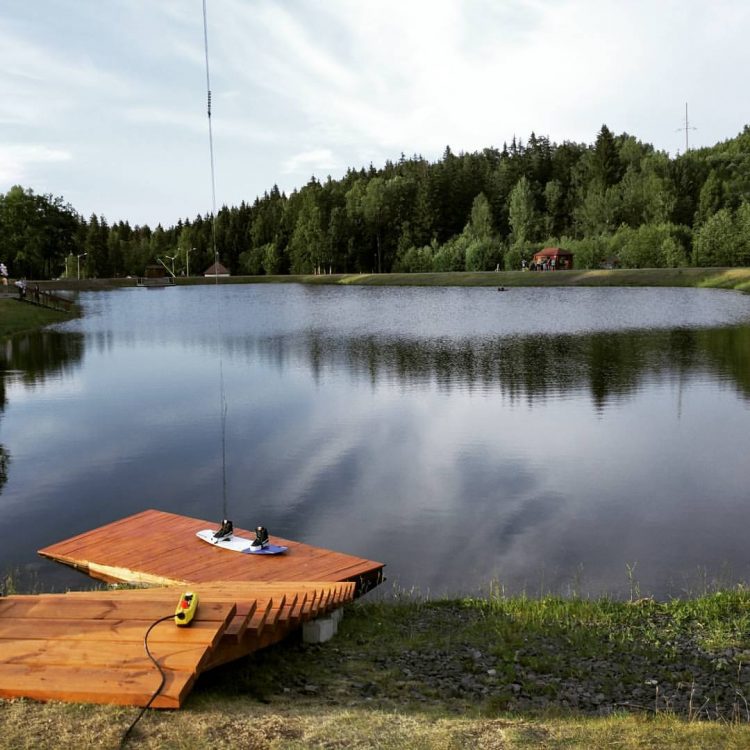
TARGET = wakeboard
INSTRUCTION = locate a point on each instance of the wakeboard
(241, 544)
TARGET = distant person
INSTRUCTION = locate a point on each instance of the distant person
(4, 274)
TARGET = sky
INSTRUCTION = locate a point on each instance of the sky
(103, 102)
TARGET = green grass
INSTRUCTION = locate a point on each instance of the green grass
(19, 317)
(379, 682)
(237, 723)
(724, 278)
(735, 278)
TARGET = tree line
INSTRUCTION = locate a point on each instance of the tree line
(616, 201)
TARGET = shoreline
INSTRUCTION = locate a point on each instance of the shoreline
(18, 318)
(715, 278)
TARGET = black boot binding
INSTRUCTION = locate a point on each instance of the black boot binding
(261, 538)
(226, 530)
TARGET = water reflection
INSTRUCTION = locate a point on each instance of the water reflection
(34, 357)
(4, 463)
(31, 359)
(533, 368)
(450, 433)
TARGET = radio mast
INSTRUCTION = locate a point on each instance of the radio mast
(687, 128)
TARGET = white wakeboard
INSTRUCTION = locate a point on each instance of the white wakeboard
(238, 544)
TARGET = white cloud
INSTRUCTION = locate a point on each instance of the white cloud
(320, 158)
(39, 82)
(304, 85)
(15, 161)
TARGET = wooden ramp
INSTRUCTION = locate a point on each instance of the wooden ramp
(159, 548)
(88, 645)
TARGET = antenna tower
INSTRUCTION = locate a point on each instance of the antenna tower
(687, 129)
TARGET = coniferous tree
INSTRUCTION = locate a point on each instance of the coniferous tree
(606, 165)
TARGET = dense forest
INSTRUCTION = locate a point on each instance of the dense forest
(618, 201)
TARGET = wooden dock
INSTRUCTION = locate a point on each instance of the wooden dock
(89, 645)
(159, 548)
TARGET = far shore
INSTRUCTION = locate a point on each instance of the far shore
(721, 278)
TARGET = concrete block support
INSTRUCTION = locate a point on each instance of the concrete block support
(322, 629)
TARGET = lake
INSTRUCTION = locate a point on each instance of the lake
(542, 440)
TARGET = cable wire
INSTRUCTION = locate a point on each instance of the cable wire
(222, 392)
(161, 684)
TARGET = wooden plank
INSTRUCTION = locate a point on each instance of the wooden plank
(228, 651)
(70, 543)
(259, 616)
(109, 539)
(108, 608)
(239, 623)
(285, 614)
(212, 592)
(116, 574)
(123, 687)
(116, 654)
(275, 612)
(309, 606)
(109, 630)
(297, 610)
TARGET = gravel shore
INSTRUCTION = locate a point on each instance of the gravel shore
(450, 657)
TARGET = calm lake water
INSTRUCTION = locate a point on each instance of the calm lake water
(544, 439)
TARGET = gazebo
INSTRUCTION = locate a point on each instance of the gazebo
(553, 258)
(216, 270)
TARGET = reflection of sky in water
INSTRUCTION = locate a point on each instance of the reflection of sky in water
(408, 426)
(432, 313)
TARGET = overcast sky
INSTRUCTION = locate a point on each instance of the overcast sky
(103, 101)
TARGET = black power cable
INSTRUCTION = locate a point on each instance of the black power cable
(161, 684)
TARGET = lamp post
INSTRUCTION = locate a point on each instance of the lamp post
(78, 258)
(171, 257)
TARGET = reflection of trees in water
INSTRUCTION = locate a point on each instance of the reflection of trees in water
(34, 357)
(728, 349)
(608, 365)
(31, 358)
(4, 461)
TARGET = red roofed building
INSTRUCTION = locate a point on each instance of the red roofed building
(216, 270)
(555, 258)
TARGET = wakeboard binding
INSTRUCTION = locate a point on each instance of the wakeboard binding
(226, 530)
(261, 538)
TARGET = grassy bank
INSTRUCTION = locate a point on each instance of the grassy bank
(495, 673)
(724, 278)
(18, 317)
(672, 277)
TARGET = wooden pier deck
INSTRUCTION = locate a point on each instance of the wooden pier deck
(159, 548)
(89, 645)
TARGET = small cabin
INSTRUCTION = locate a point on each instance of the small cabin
(553, 259)
(216, 270)
(155, 275)
(154, 272)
